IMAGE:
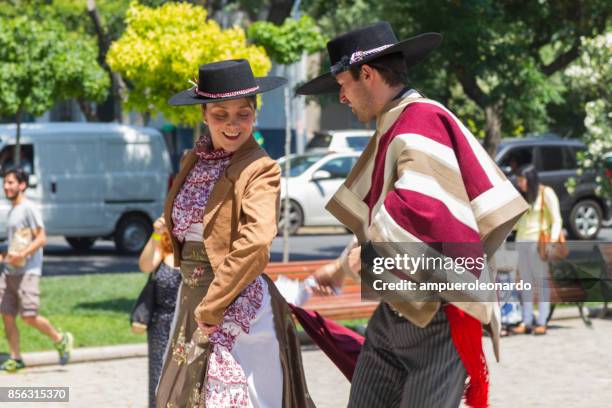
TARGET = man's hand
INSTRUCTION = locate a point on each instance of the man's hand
(16, 259)
(354, 260)
(328, 277)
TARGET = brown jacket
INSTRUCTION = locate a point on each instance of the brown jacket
(239, 224)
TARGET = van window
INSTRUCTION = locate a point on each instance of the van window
(573, 155)
(517, 157)
(553, 158)
(26, 161)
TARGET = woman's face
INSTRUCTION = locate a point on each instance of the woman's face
(230, 122)
(522, 183)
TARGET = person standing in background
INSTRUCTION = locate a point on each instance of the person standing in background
(20, 283)
(543, 215)
(157, 257)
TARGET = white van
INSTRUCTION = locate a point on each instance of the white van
(92, 180)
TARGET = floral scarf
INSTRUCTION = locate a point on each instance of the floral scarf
(190, 202)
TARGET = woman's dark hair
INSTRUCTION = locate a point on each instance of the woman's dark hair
(20, 174)
(533, 181)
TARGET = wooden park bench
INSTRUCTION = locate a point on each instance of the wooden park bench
(605, 249)
(570, 289)
(568, 292)
(346, 306)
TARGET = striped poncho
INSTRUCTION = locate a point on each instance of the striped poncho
(424, 178)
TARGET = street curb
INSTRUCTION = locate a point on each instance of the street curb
(90, 354)
(87, 354)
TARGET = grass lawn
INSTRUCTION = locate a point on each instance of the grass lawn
(95, 308)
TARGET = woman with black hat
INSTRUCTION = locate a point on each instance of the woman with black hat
(232, 342)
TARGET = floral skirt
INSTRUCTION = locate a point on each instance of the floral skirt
(239, 365)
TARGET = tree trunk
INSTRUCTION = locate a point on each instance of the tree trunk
(17, 148)
(89, 113)
(493, 122)
(111, 109)
(279, 11)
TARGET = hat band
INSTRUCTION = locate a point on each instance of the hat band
(225, 94)
(345, 62)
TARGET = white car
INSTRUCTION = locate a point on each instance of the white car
(313, 179)
(339, 141)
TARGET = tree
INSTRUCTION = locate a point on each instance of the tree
(506, 57)
(41, 63)
(286, 44)
(101, 21)
(161, 49)
(592, 73)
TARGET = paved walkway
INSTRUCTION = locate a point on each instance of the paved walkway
(570, 367)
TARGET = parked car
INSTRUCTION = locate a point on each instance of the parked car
(313, 179)
(583, 211)
(339, 141)
(92, 180)
(608, 174)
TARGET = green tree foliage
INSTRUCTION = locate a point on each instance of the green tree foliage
(592, 73)
(41, 63)
(286, 43)
(102, 21)
(161, 49)
(505, 58)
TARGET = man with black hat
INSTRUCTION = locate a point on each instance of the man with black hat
(423, 179)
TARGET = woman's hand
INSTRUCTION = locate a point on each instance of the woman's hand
(159, 226)
(207, 329)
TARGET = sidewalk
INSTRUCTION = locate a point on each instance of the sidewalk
(570, 367)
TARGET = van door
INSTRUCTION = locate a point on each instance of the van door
(27, 163)
(72, 185)
(134, 172)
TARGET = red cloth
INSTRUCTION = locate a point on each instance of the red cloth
(339, 343)
(467, 337)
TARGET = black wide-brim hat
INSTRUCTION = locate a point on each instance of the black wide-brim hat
(225, 80)
(365, 44)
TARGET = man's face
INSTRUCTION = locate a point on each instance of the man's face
(12, 187)
(356, 95)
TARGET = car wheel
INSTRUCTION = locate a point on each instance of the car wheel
(296, 217)
(585, 219)
(81, 244)
(133, 232)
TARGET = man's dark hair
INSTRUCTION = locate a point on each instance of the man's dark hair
(391, 67)
(20, 174)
